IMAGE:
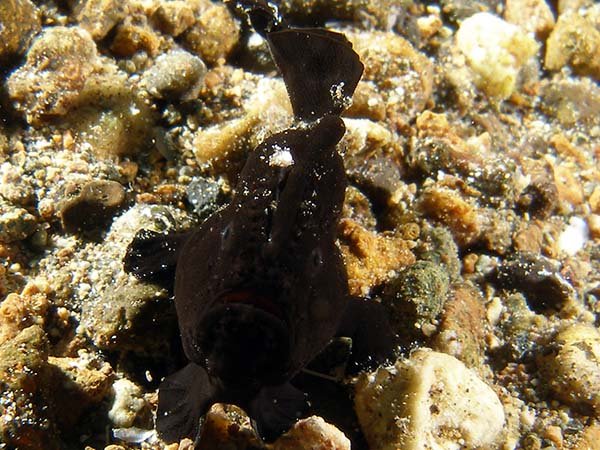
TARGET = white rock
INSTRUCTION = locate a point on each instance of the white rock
(429, 401)
(495, 51)
(312, 433)
(128, 403)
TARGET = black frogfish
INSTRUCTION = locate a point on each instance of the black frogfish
(260, 287)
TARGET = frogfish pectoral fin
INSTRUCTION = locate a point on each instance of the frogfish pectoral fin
(276, 408)
(183, 398)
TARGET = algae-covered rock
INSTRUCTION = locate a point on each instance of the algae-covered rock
(495, 51)
(416, 296)
(430, 400)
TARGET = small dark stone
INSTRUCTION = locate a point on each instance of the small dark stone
(92, 206)
(378, 179)
(204, 195)
(537, 278)
(540, 198)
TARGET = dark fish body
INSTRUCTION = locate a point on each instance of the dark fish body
(269, 269)
(260, 287)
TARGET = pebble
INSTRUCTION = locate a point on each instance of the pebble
(312, 433)
(58, 65)
(16, 223)
(99, 17)
(370, 258)
(495, 51)
(131, 38)
(572, 101)
(533, 16)
(462, 326)
(453, 210)
(20, 21)
(572, 370)
(575, 41)
(175, 75)
(19, 311)
(430, 400)
(80, 384)
(26, 421)
(403, 75)
(214, 34)
(91, 206)
(174, 17)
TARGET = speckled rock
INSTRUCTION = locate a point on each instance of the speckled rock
(131, 38)
(463, 326)
(590, 439)
(176, 74)
(371, 258)
(91, 206)
(19, 311)
(80, 383)
(312, 433)
(533, 16)
(522, 329)
(20, 21)
(59, 63)
(495, 50)
(572, 369)
(455, 211)
(403, 75)
(214, 34)
(25, 419)
(174, 17)
(430, 400)
(572, 101)
(574, 41)
(16, 223)
(98, 17)
(111, 117)
(125, 317)
(129, 407)
(416, 297)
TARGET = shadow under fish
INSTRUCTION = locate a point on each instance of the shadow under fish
(260, 287)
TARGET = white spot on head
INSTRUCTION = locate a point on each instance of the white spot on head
(281, 157)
